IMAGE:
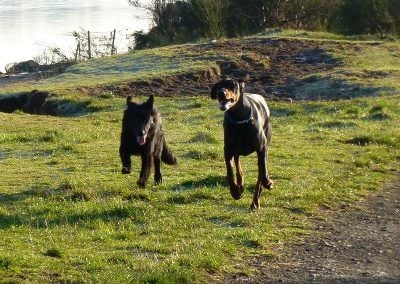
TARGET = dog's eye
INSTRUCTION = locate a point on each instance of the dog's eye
(221, 93)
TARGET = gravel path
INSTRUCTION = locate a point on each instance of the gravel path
(357, 244)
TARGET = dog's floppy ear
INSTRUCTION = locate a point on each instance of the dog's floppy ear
(214, 92)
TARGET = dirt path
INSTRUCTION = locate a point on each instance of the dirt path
(356, 244)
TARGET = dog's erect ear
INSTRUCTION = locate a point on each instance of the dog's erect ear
(241, 87)
(129, 101)
(214, 92)
(151, 99)
(237, 89)
(242, 82)
(150, 102)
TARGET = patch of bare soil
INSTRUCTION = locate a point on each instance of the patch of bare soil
(359, 243)
(272, 64)
(278, 69)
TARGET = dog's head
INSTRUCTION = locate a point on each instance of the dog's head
(140, 118)
(228, 92)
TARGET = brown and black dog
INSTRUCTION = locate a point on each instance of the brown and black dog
(247, 129)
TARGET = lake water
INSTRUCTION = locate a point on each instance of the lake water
(27, 27)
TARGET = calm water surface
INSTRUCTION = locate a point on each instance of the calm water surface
(27, 27)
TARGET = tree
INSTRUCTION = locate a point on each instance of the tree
(172, 22)
(308, 14)
(187, 20)
(213, 15)
(394, 11)
(363, 16)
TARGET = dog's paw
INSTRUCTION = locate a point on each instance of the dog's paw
(268, 184)
(254, 207)
(126, 170)
(236, 191)
(158, 180)
(141, 183)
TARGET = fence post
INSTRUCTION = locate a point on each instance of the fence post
(78, 51)
(112, 45)
(89, 51)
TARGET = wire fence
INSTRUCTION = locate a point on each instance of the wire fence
(99, 44)
(88, 44)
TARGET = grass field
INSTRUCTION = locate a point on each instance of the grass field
(67, 214)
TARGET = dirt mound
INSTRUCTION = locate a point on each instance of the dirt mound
(39, 102)
(272, 64)
(189, 83)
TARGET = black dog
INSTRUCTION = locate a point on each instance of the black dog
(247, 129)
(142, 134)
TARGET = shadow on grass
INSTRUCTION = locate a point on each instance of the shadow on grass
(282, 112)
(60, 197)
(4, 154)
(326, 88)
(337, 125)
(47, 219)
(209, 181)
(15, 197)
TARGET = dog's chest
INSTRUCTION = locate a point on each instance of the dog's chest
(243, 139)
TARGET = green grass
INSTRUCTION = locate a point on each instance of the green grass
(67, 214)
(326, 36)
(121, 69)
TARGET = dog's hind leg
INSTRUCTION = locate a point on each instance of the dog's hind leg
(157, 170)
(236, 191)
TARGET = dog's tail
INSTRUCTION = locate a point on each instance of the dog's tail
(167, 156)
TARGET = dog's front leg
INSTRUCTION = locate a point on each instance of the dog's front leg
(125, 156)
(147, 162)
(263, 178)
(236, 192)
(239, 173)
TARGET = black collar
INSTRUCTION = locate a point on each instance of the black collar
(245, 121)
